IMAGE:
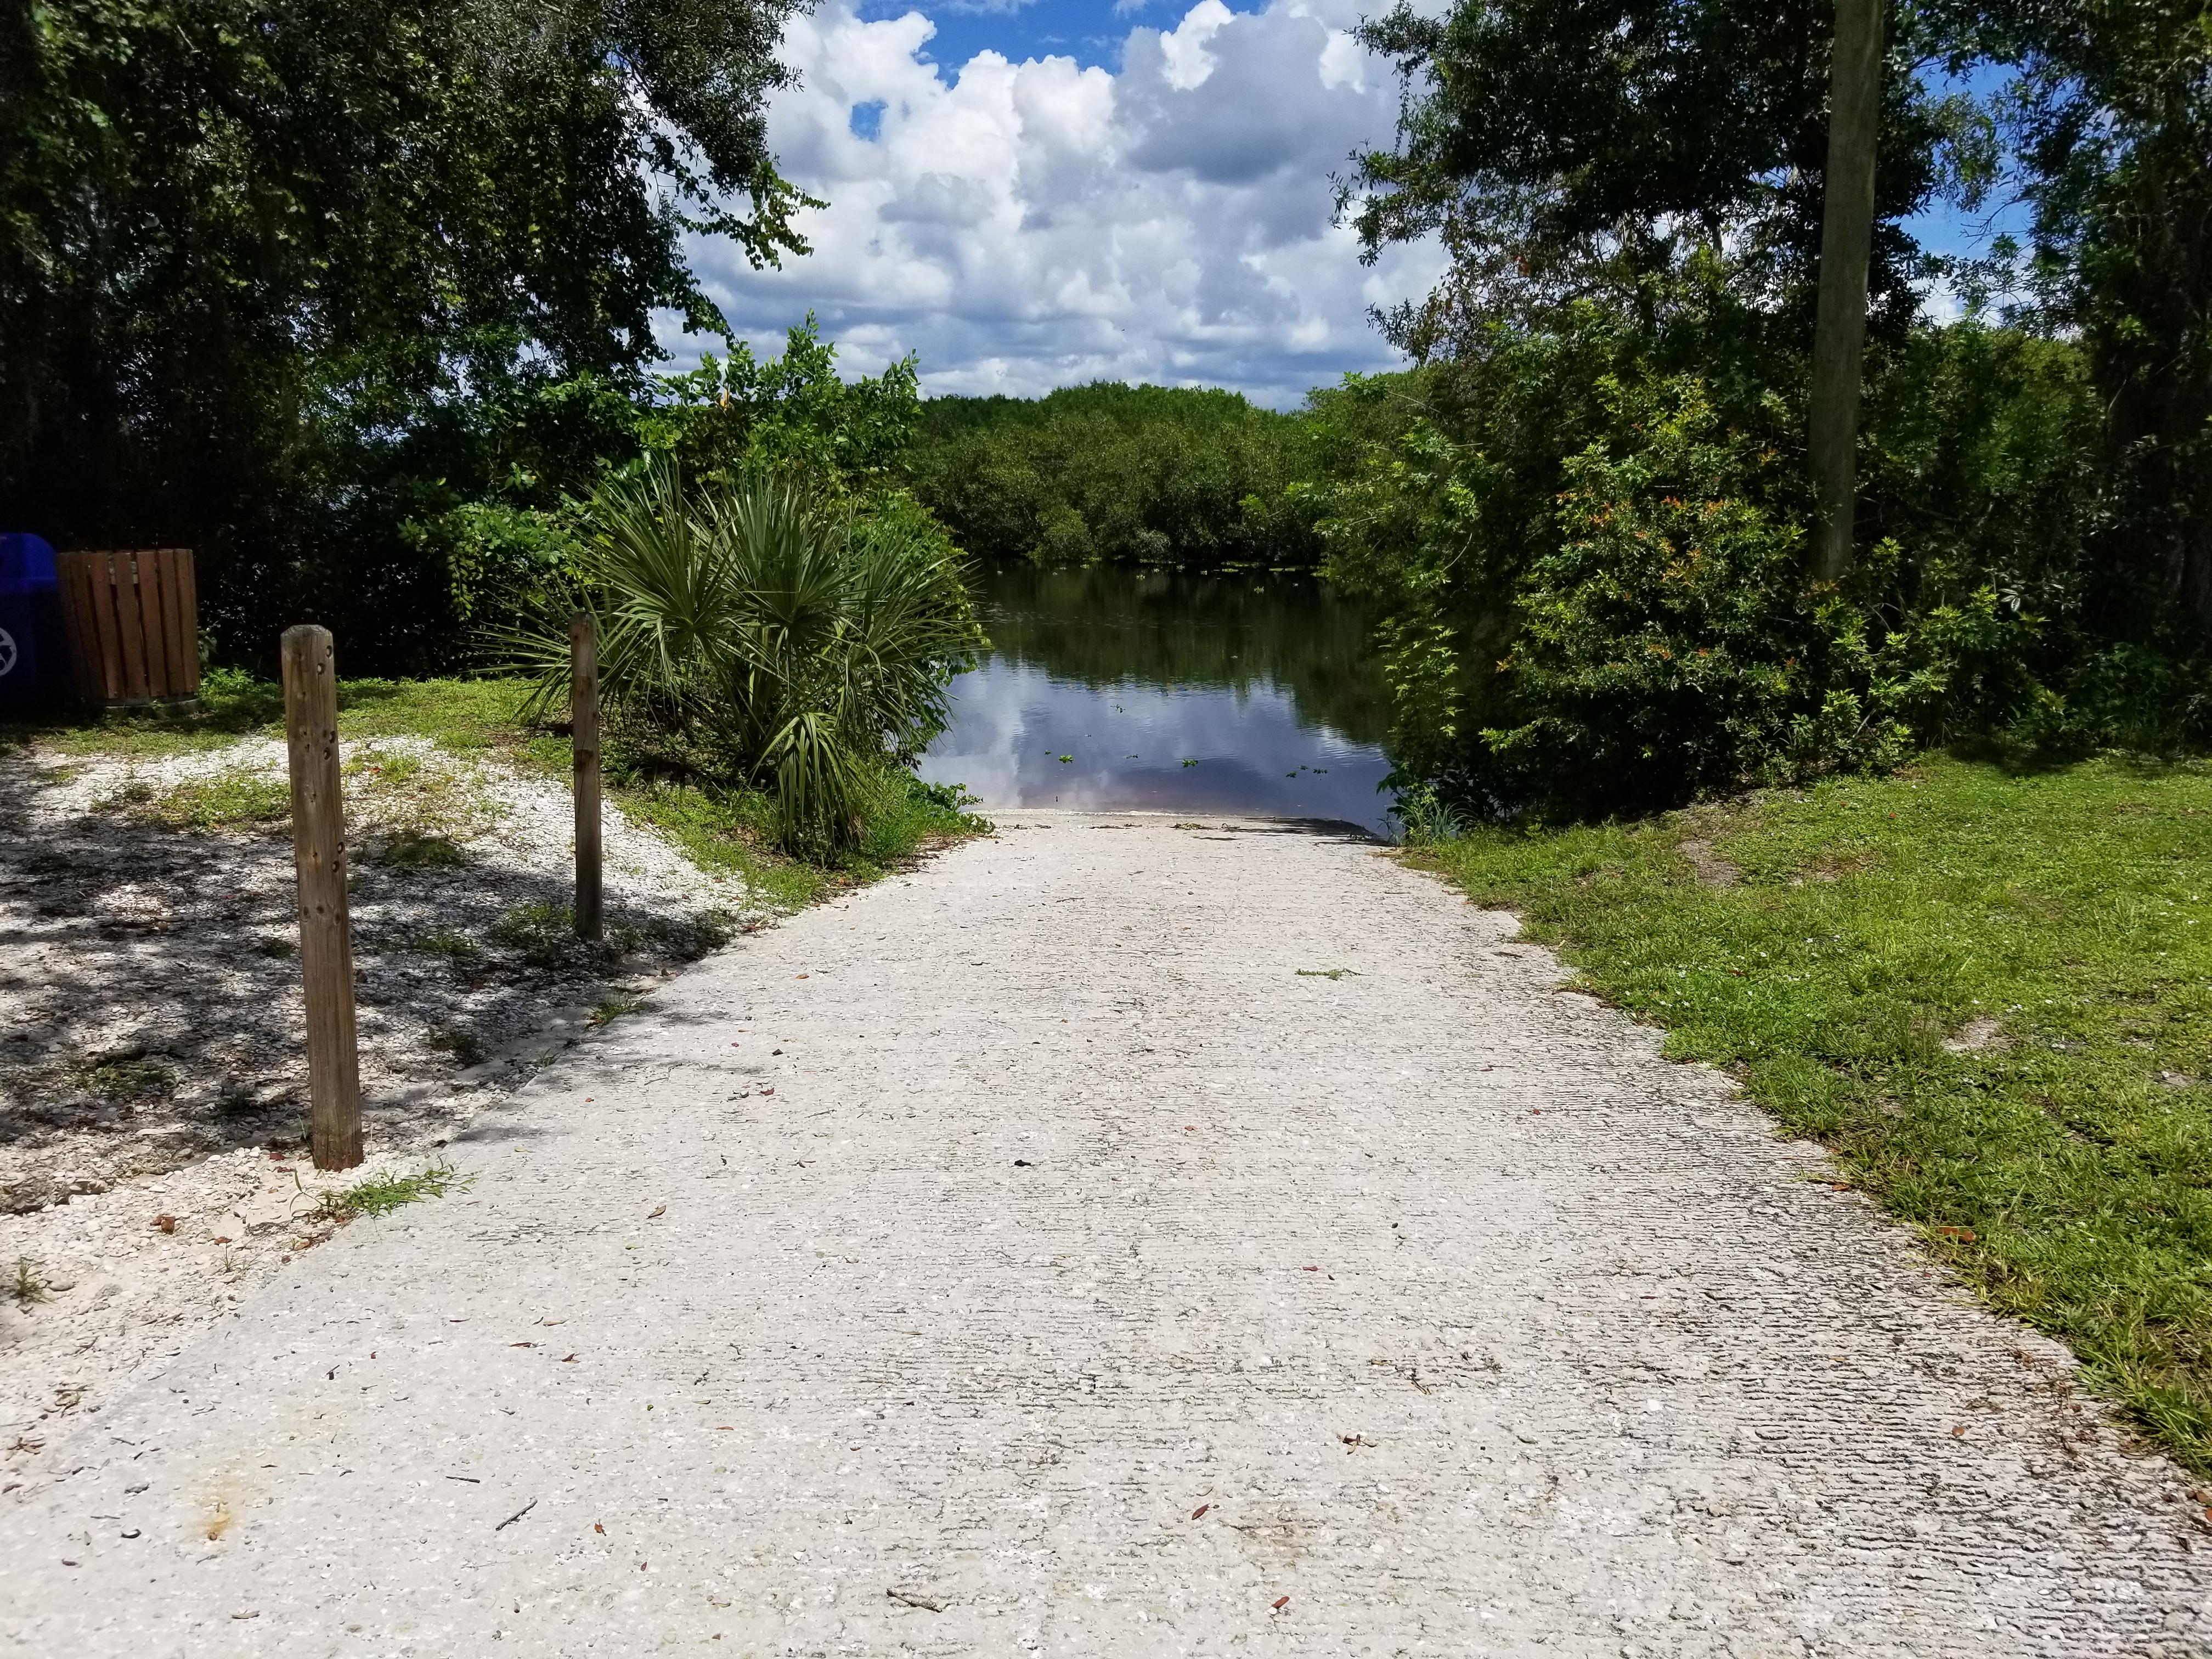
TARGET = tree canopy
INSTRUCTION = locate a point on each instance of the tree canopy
(1586, 532)
(1565, 147)
(250, 251)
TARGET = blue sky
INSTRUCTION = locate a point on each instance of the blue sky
(1091, 32)
(1034, 195)
(1043, 195)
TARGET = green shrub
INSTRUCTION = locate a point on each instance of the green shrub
(1586, 562)
(753, 630)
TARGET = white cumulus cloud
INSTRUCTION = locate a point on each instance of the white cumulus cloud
(1021, 226)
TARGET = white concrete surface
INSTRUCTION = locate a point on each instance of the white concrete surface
(1092, 1280)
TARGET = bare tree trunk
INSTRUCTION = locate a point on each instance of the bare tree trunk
(1846, 244)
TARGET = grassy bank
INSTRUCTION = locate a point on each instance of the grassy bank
(728, 830)
(1989, 993)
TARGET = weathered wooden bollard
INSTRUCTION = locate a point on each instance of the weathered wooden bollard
(584, 742)
(311, 729)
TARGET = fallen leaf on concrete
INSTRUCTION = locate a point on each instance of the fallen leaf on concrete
(1282, 1602)
(658, 1210)
(599, 1530)
(1199, 1510)
(165, 1224)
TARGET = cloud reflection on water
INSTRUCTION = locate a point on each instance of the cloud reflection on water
(1128, 739)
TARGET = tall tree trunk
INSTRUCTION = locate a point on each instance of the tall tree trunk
(1846, 244)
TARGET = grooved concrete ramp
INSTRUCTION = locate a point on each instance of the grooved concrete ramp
(1100, 1273)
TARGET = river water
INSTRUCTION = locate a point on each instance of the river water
(1111, 688)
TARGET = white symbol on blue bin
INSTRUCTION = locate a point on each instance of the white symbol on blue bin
(8, 652)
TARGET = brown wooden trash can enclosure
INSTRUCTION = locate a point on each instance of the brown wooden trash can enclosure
(134, 626)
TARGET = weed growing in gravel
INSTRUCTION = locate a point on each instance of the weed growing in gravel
(614, 1008)
(395, 766)
(449, 942)
(425, 808)
(412, 849)
(238, 799)
(123, 1079)
(29, 1284)
(381, 1194)
(542, 933)
(2060, 1157)
(463, 1044)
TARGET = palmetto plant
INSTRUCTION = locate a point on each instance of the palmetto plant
(804, 645)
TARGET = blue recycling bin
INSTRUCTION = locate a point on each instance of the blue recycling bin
(34, 667)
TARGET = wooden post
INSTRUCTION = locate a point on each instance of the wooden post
(584, 741)
(1846, 244)
(310, 727)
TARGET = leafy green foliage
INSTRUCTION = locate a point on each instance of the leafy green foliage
(1988, 992)
(737, 415)
(27, 1283)
(381, 1194)
(1135, 474)
(2109, 117)
(237, 798)
(1559, 151)
(289, 280)
(1579, 528)
(758, 633)
(1582, 545)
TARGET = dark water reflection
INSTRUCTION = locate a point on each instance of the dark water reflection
(1265, 682)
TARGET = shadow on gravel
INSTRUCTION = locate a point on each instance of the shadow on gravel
(1327, 828)
(150, 989)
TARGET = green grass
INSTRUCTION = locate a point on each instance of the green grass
(124, 1080)
(29, 1284)
(383, 1194)
(233, 800)
(2061, 1163)
(723, 831)
(450, 942)
(729, 830)
(459, 714)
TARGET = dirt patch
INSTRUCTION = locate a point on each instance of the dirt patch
(1712, 870)
(1978, 1037)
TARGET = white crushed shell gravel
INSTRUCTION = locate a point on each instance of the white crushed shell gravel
(152, 1085)
(1117, 1240)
